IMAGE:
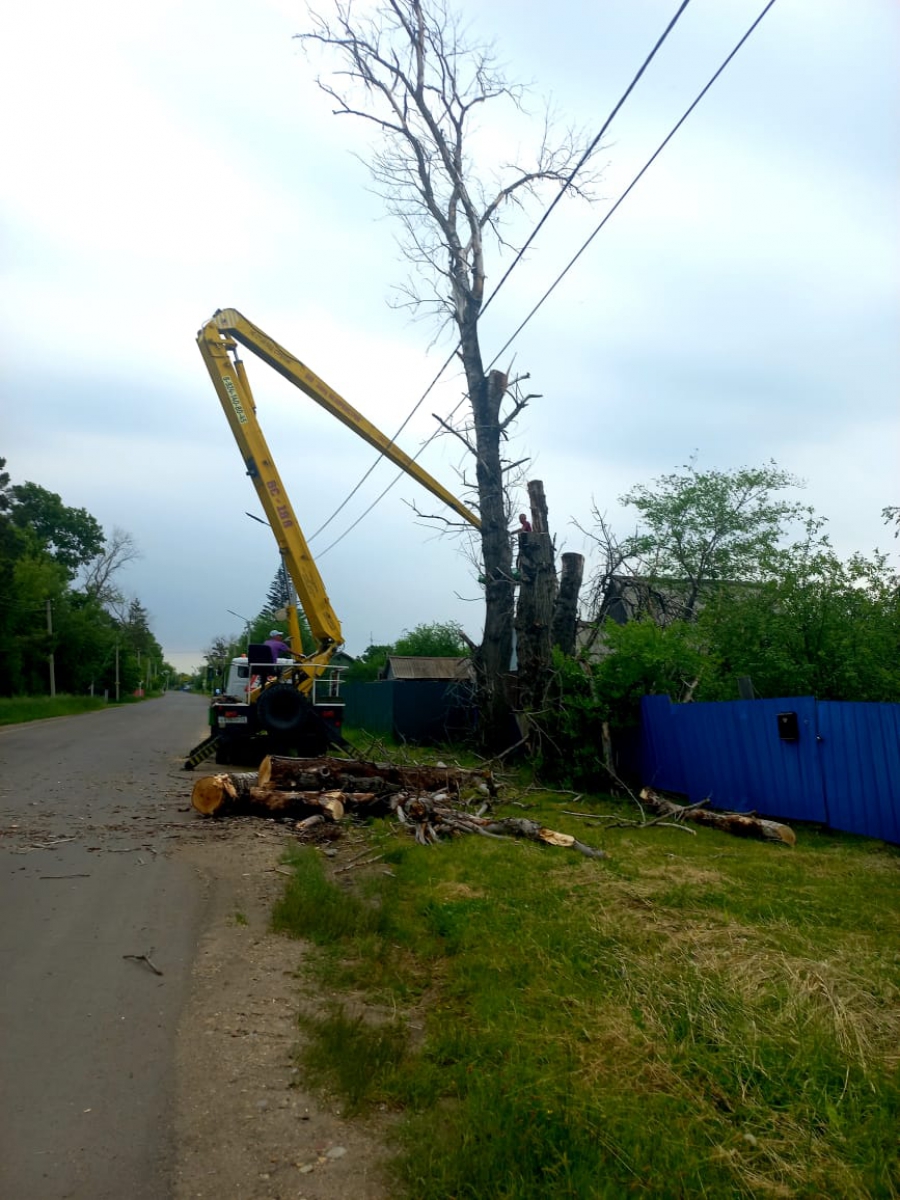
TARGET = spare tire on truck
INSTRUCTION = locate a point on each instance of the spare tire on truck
(283, 711)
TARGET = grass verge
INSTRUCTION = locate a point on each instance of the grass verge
(15, 710)
(695, 1016)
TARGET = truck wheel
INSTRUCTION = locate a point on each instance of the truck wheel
(281, 709)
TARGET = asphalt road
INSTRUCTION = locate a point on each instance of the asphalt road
(91, 808)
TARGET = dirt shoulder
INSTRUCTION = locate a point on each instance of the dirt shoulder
(246, 1128)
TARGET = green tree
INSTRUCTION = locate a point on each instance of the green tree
(13, 545)
(369, 665)
(36, 579)
(85, 645)
(4, 487)
(71, 536)
(794, 616)
(44, 547)
(279, 596)
(821, 626)
(640, 659)
(438, 639)
(698, 530)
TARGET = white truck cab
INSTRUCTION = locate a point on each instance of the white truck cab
(240, 681)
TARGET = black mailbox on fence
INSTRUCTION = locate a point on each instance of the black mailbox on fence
(788, 727)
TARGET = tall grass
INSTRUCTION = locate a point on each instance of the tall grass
(695, 1016)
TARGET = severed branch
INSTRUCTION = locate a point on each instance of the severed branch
(739, 824)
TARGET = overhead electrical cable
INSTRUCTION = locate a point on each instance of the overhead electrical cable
(656, 153)
(566, 185)
(587, 154)
(571, 263)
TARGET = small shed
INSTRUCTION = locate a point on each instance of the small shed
(424, 667)
(418, 699)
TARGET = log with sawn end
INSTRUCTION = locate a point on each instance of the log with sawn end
(221, 795)
(739, 824)
(215, 794)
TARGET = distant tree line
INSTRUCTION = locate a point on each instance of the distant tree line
(59, 595)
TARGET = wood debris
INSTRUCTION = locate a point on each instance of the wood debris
(429, 801)
(739, 824)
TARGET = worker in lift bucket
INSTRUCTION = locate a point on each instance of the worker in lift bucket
(278, 645)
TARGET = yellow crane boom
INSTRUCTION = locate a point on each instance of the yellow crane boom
(218, 341)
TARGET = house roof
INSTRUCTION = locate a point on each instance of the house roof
(427, 667)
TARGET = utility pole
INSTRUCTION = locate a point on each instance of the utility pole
(50, 660)
(117, 671)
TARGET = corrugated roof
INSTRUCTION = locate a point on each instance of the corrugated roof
(426, 667)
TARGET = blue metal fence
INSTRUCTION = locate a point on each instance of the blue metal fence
(796, 758)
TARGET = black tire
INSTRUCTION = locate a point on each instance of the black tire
(283, 711)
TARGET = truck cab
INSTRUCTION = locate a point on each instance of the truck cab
(262, 710)
(241, 680)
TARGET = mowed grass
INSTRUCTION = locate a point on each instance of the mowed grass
(695, 1016)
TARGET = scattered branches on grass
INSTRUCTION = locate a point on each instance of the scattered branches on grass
(428, 801)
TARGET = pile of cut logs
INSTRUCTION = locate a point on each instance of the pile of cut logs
(432, 802)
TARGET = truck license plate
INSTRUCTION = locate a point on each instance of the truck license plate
(232, 720)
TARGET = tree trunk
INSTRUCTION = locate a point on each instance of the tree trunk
(540, 517)
(538, 591)
(740, 824)
(219, 795)
(355, 775)
(330, 804)
(214, 793)
(534, 614)
(492, 662)
(564, 627)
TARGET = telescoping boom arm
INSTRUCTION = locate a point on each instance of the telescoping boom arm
(218, 344)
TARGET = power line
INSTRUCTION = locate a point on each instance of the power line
(569, 265)
(380, 454)
(656, 153)
(566, 185)
(587, 154)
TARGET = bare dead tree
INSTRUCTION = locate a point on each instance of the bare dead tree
(119, 549)
(410, 70)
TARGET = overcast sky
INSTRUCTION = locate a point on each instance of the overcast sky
(160, 163)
